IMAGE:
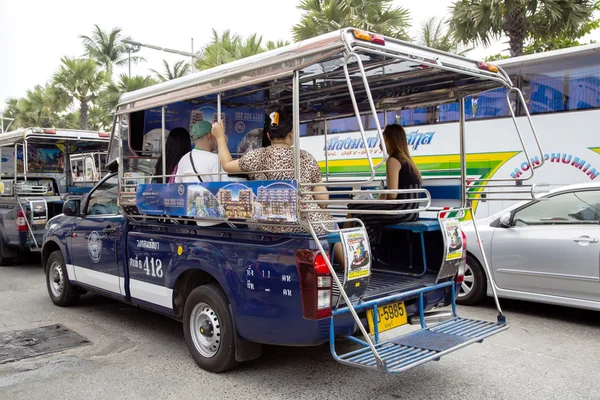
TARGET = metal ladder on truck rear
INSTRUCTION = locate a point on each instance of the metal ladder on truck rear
(431, 342)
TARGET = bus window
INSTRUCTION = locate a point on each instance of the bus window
(394, 117)
(450, 112)
(418, 116)
(371, 121)
(348, 124)
(491, 104)
(584, 88)
(544, 93)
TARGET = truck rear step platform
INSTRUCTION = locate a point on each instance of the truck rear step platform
(383, 282)
(404, 352)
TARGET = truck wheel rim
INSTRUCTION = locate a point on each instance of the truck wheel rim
(205, 329)
(467, 285)
(57, 280)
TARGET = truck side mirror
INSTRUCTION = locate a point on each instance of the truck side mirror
(506, 220)
(71, 208)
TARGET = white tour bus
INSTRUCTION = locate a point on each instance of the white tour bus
(562, 91)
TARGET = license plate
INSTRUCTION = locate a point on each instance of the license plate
(389, 316)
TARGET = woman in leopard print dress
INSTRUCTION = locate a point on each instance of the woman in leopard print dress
(278, 158)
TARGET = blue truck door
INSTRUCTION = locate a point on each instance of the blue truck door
(97, 240)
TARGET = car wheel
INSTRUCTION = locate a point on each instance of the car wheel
(61, 292)
(208, 329)
(473, 287)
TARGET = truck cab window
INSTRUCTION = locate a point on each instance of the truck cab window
(103, 200)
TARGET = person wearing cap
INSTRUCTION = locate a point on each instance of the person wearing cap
(201, 160)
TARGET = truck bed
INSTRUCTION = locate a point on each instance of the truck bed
(386, 282)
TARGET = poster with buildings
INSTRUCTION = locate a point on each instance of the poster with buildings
(267, 201)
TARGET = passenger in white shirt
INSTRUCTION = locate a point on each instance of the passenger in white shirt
(201, 160)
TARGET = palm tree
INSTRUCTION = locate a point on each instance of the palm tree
(41, 107)
(99, 119)
(434, 34)
(181, 68)
(221, 50)
(271, 45)
(107, 48)
(322, 16)
(110, 96)
(230, 46)
(482, 21)
(81, 80)
(10, 111)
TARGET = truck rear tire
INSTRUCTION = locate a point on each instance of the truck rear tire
(4, 258)
(4, 261)
(208, 328)
(61, 292)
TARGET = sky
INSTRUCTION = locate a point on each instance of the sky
(35, 34)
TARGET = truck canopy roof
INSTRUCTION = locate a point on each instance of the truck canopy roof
(51, 135)
(401, 74)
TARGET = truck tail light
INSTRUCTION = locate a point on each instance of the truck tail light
(369, 37)
(487, 67)
(315, 284)
(21, 221)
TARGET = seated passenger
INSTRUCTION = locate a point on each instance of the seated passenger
(202, 159)
(278, 160)
(176, 146)
(401, 173)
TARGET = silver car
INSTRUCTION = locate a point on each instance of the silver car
(546, 250)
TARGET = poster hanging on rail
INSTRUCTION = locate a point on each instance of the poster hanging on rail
(357, 252)
(452, 231)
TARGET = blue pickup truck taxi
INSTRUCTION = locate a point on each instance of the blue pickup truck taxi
(196, 251)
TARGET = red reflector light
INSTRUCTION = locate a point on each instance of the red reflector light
(103, 134)
(377, 39)
(321, 265)
(50, 131)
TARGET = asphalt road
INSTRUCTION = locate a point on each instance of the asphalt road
(548, 353)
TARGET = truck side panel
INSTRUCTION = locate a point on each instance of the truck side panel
(259, 277)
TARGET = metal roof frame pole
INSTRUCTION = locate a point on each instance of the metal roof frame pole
(486, 266)
(463, 152)
(25, 160)
(118, 125)
(163, 149)
(326, 151)
(219, 121)
(296, 119)
(16, 150)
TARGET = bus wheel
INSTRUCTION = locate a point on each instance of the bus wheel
(473, 287)
(208, 329)
(61, 292)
